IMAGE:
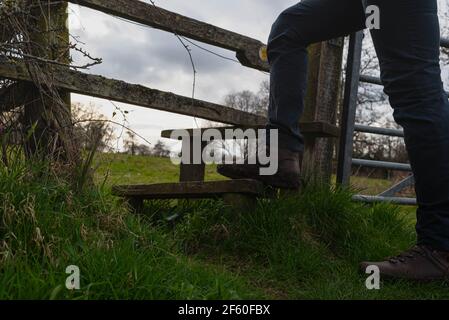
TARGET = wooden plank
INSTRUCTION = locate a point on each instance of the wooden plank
(323, 94)
(101, 87)
(193, 190)
(247, 49)
(311, 129)
(192, 172)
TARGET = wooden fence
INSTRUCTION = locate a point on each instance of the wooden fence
(324, 77)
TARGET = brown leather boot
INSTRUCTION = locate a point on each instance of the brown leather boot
(287, 176)
(420, 263)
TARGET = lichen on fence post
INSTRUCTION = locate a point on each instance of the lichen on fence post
(322, 103)
(47, 113)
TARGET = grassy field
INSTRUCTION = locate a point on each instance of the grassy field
(125, 169)
(305, 247)
(46, 225)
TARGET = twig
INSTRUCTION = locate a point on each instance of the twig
(113, 122)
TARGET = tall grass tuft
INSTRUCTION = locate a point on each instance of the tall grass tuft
(308, 246)
(47, 224)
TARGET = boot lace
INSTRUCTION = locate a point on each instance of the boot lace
(408, 255)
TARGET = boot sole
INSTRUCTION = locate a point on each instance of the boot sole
(391, 278)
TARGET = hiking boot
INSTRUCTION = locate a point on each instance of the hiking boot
(287, 176)
(420, 263)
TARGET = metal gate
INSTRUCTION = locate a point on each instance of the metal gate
(349, 127)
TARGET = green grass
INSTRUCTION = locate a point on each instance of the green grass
(45, 227)
(127, 169)
(306, 247)
(370, 186)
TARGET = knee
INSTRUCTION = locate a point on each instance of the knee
(283, 34)
(420, 90)
(279, 27)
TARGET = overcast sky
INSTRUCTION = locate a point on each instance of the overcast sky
(156, 59)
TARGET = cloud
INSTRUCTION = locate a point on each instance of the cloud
(156, 59)
(142, 55)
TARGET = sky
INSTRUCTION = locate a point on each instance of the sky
(156, 59)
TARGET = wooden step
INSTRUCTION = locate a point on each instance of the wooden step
(194, 190)
(312, 129)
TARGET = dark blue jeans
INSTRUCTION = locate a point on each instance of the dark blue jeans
(408, 48)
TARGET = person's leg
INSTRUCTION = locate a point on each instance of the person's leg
(305, 23)
(296, 28)
(408, 47)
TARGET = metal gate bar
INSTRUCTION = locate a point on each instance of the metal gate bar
(348, 128)
(400, 186)
(380, 131)
(349, 108)
(382, 165)
(377, 199)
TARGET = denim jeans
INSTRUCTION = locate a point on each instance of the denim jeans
(408, 48)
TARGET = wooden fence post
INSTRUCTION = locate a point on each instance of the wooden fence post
(48, 110)
(324, 83)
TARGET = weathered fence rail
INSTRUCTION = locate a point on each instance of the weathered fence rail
(120, 91)
(321, 111)
(247, 49)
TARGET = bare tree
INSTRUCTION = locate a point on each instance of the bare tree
(160, 150)
(130, 143)
(91, 128)
(374, 110)
(248, 101)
